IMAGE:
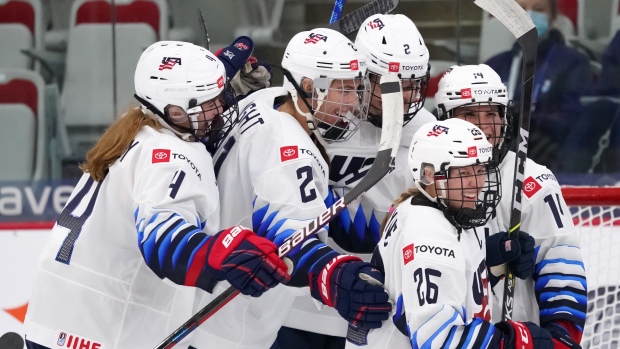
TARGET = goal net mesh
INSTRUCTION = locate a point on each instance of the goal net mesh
(596, 213)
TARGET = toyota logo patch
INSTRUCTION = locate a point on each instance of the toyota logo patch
(289, 153)
(160, 155)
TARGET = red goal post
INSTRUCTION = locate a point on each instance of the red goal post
(596, 214)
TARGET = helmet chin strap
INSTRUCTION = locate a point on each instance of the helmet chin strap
(439, 184)
(158, 115)
(308, 114)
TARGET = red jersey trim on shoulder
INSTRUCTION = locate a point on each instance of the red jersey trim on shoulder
(289, 153)
(408, 254)
(531, 187)
(160, 155)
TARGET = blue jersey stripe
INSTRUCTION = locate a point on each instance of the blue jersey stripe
(258, 216)
(552, 311)
(544, 280)
(546, 262)
(359, 223)
(580, 298)
(428, 344)
(374, 227)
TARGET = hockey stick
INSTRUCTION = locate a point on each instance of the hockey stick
(392, 99)
(203, 28)
(337, 11)
(352, 21)
(520, 24)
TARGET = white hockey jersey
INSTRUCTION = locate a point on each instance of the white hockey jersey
(436, 275)
(557, 291)
(273, 179)
(356, 229)
(98, 284)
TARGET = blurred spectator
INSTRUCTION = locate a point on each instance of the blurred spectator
(593, 146)
(562, 76)
(609, 82)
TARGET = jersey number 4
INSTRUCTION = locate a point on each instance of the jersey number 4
(74, 223)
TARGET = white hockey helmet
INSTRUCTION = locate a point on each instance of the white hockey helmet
(173, 79)
(473, 86)
(330, 60)
(392, 43)
(439, 146)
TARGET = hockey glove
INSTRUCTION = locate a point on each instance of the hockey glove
(354, 288)
(561, 337)
(247, 261)
(518, 253)
(236, 55)
(524, 335)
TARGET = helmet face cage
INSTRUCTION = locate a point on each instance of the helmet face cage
(220, 115)
(414, 93)
(339, 106)
(499, 128)
(469, 193)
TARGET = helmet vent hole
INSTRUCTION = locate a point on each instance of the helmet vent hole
(384, 42)
(324, 52)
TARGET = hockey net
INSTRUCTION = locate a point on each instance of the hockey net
(596, 213)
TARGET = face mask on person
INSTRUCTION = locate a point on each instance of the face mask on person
(541, 21)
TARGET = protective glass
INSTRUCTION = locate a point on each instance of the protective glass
(340, 106)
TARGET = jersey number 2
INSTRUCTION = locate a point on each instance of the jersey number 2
(306, 171)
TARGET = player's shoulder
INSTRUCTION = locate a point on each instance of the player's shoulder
(423, 220)
(160, 147)
(422, 117)
(537, 178)
(363, 143)
(425, 233)
(259, 118)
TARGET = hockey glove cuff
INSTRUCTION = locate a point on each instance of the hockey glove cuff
(561, 337)
(354, 288)
(524, 335)
(247, 261)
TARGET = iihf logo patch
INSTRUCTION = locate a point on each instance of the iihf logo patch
(376, 24)
(314, 38)
(354, 65)
(437, 130)
(393, 67)
(62, 337)
(169, 63)
(220, 82)
(465, 93)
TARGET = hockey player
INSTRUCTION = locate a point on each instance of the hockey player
(390, 43)
(273, 176)
(433, 256)
(556, 296)
(147, 210)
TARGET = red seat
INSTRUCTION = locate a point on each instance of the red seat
(139, 11)
(24, 126)
(20, 29)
